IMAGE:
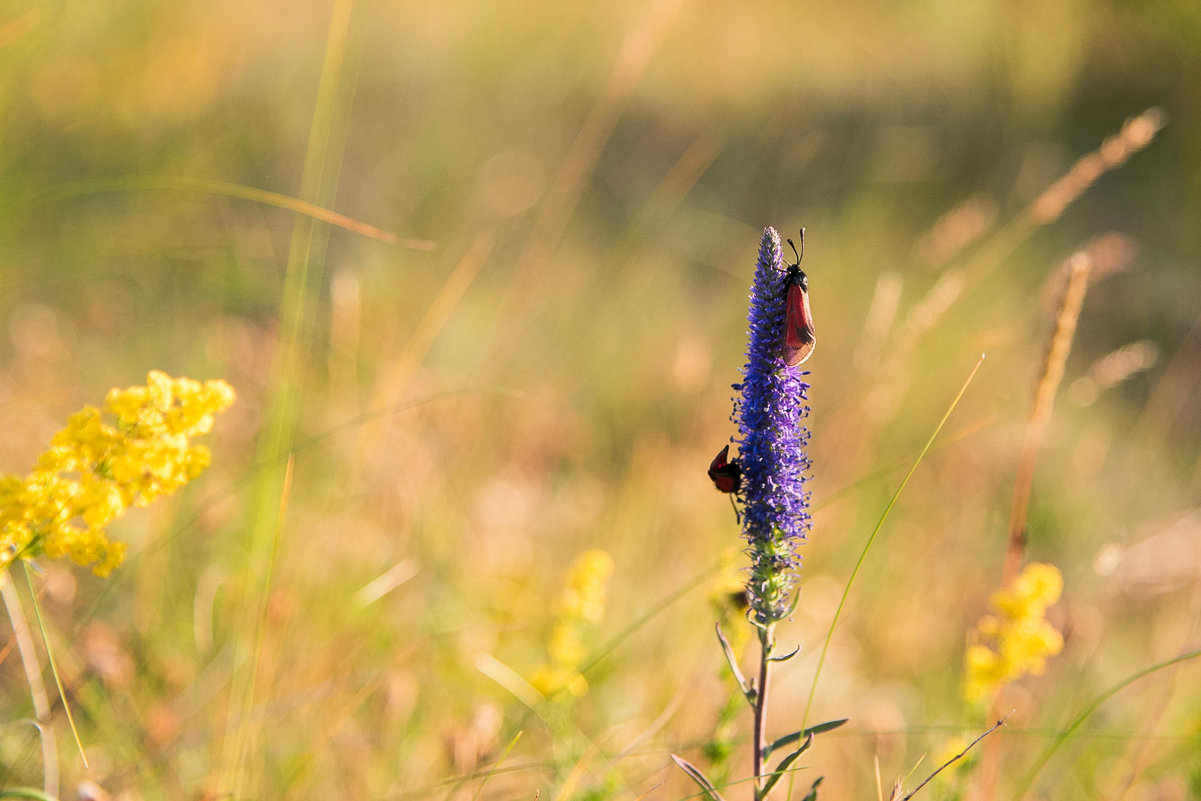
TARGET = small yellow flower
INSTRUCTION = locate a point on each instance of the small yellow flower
(579, 607)
(1017, 639)
(584, 595)
(566, 644)
(549, 680)
(727, 598)
(93, 471)
(950, 750)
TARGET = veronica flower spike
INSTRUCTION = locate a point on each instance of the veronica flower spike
(772, 442)
(767, 482)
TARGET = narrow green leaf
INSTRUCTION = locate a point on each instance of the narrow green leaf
(829, 725)
(783, 767)
(789, 739)
(692, 770)
(786, 656)
(26, 792)
(812, 794)
(732, 661)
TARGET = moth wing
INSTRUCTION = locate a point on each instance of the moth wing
(799, 336)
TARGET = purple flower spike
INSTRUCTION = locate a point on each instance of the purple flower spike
(772, 445)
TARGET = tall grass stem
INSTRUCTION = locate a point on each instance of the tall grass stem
(281, 408)
(33, 677)
(846, 591)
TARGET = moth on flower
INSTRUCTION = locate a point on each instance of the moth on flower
(772, 439)
(725, 475)
(799, 336)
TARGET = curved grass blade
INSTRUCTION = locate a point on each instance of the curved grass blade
(209, 186)
(58, 681)
(1062, 737)
(496, 765)
(871, 539)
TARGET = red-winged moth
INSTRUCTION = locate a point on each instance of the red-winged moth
(799, 337)
(726, 475)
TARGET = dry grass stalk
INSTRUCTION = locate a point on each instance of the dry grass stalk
(1136, 134)
(1113, 369)
(1044, 398)
(957, 229)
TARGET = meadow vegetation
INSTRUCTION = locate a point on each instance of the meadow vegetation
(478, 276)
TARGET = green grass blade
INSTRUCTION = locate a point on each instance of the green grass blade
(651, 613)
(1092, 707)
(302, 280)
(879, 525)
(496, 765)
(58, 682)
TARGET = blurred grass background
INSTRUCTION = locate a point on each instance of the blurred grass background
(554, 375)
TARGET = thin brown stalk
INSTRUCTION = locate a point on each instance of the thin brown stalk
(947, 764)
(1044, 398)
(965, 226)
(1114, 368)
(174, 183)
(957, 229)
(1136, 134)
(1173, 390)
(391, 388)
(568, 184)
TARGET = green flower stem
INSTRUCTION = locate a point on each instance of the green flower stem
(766, 643)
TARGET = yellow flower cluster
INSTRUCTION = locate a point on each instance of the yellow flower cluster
(94, 471)
(727, 598)
(1016, 639)
(578, 608)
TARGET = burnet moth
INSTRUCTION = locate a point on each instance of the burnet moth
(726, 475)
(799, 337)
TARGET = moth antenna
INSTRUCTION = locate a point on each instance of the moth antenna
(801, 253)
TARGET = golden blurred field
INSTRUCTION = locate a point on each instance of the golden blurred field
(552, 374)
